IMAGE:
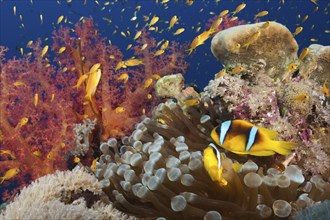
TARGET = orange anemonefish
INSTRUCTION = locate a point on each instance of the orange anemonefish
(242, 137)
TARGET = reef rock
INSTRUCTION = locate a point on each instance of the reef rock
(274, 46)
(316, 64)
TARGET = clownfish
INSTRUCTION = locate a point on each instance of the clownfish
(212, 164)
(242, 137)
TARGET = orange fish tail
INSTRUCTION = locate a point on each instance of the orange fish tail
(283, 147)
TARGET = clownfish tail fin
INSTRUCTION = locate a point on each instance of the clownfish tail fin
(283, 147)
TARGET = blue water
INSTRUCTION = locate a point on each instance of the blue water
(203, 65)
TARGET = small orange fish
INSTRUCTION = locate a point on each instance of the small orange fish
(124, 77)
(120, 110)
(325, 89)
(238, 69)
(303, 54)
(23, 121)
(147, 83)
(302, 97)
(93, 166)
(9, 174)
(297, 31)
(76, 160)
(36, 153)
(35, 102)
(9, 152)
(191, 102)
(220, 73)
(50, 155)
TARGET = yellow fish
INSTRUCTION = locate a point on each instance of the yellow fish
(159, 52)
(94, 68)
(50, 155)
(265, 25)
(191, 102)
(129, 46)
(14, 9)
(239, 8)
(120, 109)
(93, 166)
(238, 69)
(223, 13)
(261, 14)
(164, 45)
(35, 102)
(36, 153)
(23, 121)
(92, 83)
(60, 18)
(304, 19)
(76, 160)
(19, 83)
(9, 152)
(156, 76)
(242, 137)
(303, 54)
(52, 98)
(144, 46)
(29, 43)
(137, 35)
(297, 31)
(61, 50)
(174, 19)
(153, 21)
(220, 73)
(9, 174)
(80, 81)
(179, 31)
(133, 62)
(302, 97)
(213, 166)
(124, 76)
(120, 65)
(147, 83)
(253, 38)
(215, 25)
(44, 51)
(325, 89)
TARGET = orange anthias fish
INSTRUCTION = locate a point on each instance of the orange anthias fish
(242, 137)
(9, 152)
(9, 174)
(92, 83)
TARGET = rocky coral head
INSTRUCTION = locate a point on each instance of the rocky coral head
(250, 43)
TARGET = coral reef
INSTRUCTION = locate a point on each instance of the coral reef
(158, 172)
(134, 95)
(277, 92)
(72, 195)
(43, 94)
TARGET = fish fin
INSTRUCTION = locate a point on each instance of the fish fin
(268, 132)
(88, 97)
(2, 180)
(283, 147)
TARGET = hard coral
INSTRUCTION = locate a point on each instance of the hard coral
(72, 195)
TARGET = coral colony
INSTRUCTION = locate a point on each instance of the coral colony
(156, 156)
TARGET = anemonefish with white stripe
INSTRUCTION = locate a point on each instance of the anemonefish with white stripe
(242, 137)
(213, 164)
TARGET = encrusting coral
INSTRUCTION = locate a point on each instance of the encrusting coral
(72, 195)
